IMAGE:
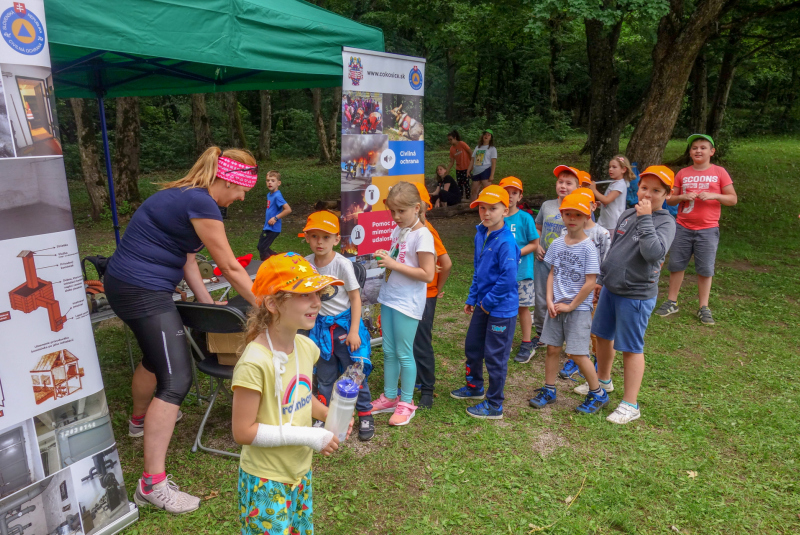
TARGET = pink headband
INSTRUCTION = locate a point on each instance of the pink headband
(237, 172)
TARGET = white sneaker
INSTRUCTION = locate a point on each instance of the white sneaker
(583, 389)
(624, 414)
(166, 495)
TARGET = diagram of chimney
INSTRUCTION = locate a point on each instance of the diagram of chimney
(36, 293)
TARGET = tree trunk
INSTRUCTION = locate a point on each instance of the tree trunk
(451, 86)
(789, 100)
(477, 85)
(319, 124)
(724, 84)
(604, 127)
(127, 142)
(676, 49)
(699, 79)
(235, 129)
(93, 178)
(265, 133)
(551, 67)
(333, 122)
(201, 125)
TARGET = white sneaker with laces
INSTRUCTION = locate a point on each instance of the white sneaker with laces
(624, 414)
(168, 496)
(584, 388)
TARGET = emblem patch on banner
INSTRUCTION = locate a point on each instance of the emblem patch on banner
(22, 30)
(355, 69)
(415, 78)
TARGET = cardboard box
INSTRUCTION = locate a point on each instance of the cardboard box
(228, 347)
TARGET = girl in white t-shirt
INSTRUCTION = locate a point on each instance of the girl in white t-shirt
(483, 163)
(613, 201)
(410, 265)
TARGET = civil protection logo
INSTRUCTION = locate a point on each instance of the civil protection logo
(355, 70)
(22, 30)
(415, 78)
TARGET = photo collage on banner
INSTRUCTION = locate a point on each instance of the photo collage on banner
(383, 139)
(59, 467)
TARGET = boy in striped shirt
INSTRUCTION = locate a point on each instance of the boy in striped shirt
(574, 266)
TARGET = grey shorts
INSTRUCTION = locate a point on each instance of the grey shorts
(526, 292)
(575, 327)
(700, 243)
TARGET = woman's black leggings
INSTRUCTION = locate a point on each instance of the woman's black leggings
(165, 353)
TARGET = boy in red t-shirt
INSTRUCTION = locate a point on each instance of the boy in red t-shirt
(700, 191)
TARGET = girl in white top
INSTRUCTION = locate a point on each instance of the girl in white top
(410, 266)
(483, 163)
(613, 201)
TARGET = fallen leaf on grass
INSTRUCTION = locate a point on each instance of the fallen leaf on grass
(213, 494)
(675, 529)
(692, 474)
(568, 500)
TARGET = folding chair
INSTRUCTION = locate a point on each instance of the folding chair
(206, 318)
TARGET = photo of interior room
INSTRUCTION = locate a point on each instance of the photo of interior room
(73, 432)
(6, 139)
(100, 489)
(48, 507)
(20, 462)
(30, 101)
(34, 198)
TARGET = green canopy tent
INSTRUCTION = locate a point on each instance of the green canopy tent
(165, 47)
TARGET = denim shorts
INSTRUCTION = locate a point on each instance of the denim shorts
(483, 175)
(622, 320)
(701, 243)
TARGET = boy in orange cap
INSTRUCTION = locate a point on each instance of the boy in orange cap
(493, 303)
(549, 225)
(629, 277)
(524, 230)
(423, 341)
(338, 331)
(574, 265)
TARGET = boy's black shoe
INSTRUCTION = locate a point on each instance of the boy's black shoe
(366, 427)
(426, 400)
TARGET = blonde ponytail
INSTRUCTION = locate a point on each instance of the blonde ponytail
(204, 171)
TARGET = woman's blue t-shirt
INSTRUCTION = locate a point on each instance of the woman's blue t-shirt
(153, 249)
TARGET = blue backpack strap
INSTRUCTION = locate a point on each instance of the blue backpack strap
(633, 187)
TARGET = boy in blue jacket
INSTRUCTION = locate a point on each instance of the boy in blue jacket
(493, 302)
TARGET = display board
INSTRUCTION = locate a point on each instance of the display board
(59, 466)
(382, 144)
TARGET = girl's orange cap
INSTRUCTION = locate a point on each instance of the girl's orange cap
(576, 201)
(290, 272)
(511, 182)
(564, 168)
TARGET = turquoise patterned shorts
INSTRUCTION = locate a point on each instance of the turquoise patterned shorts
(270, 508)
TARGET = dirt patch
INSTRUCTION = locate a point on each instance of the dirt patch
(378, 442)
(689, 354)
(746, 265)
(546, 441)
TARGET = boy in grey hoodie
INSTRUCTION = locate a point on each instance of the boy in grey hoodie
(629, 279)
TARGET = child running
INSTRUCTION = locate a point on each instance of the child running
(574, 265)
(493, 302)
(613, 200)
(423, 341)
(549, 225)
(410, 265)
(272, 401)
(339, 331)
(629, 277)
(277, 209)
(523, 228)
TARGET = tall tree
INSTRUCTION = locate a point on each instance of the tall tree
(265, 132)
(93, 178)
(319, 125)
(201, 125)
(236, 136)
(699, 79)
(127, 144)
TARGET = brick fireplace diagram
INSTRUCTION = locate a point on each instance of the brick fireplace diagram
(36, 293)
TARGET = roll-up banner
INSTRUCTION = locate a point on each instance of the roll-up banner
(59, 466)
(382, 144)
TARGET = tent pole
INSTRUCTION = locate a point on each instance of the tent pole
(113, 197)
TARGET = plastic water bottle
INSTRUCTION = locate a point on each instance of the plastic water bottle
(340, 411)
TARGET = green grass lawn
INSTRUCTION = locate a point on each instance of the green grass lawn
(716, 449)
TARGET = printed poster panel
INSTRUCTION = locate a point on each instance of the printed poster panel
(382, 144)
(59, 466)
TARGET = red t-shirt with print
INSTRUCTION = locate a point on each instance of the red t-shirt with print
(699, 214)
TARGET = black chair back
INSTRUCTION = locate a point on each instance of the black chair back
(211, 318)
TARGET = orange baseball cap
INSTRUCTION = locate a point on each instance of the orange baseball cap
(586, 192)
(576, 201)
(561, 168)
(423, 192)
(584, 177)
(661, 172)
(491, 195)
(290, 272)
(511, 182)
(323, 220)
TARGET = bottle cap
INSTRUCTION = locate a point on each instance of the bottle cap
(347, 388)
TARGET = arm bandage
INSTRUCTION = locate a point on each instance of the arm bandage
(273, 436)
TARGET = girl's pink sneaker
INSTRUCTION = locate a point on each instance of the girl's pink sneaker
(384, 404)
(402, 414)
